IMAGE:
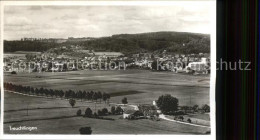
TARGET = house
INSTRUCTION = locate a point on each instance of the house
(148, 109)
(131, 114)
(157, 108)
(198, 66)
(109, 54)
(135, 55)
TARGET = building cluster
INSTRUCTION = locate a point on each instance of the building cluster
(140, 111)
(188, 63)
(72, 39)
(57, 40)
(69, 59)
(49, 40)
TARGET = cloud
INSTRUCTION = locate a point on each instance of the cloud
(96, 21)
(67, 17)
(17, 21)
(35, 8)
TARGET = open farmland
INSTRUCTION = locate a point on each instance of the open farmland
(43, 113)
(139, 86)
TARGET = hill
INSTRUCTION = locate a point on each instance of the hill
(177, 42)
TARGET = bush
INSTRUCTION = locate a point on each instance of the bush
(206, 108)
(124, 100)
(95, 115)
(179, 118)
(131, 117)
(13, 72)
(85, 130)
(113, 110)
(119, 110)
(72, 102)
(79, 112)
(100, 113)
(88, 112)
(104, 111)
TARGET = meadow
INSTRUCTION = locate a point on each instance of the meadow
(139, 86)
(56, 116)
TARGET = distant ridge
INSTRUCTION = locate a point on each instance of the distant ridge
(154, 42)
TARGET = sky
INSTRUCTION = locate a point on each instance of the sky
(99, 21)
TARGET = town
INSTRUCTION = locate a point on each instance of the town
(77, 82)
(82, 59)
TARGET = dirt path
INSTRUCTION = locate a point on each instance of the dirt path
(165, 118)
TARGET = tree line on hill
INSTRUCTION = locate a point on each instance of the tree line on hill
(69, 94)
(13, 46)
(177, 42)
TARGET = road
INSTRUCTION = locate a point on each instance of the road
(165, 118)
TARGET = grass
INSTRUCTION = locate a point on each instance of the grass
(124, 93)
(149, 84)
(140, 87)
(200, 116)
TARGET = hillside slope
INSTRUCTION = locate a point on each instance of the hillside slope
(177, 42)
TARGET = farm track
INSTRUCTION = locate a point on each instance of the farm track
(165, 118)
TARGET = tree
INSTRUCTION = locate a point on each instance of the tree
(108, 97)
(65, 67)
(154, 65)
(189, 120)
(79, 112)
(195, 107)
(81, 95)
(91, 93)
(119, 110)
(85, 130)
(95, 115)
(167, 103)
(88, 95)
(84, 95)
(88, 112)
(99, 96)
(51, 92)
(36, 91)
(72, 102)
(61, 93)
(113, 110)
(185, 108)
(206, 108)
(32, 90)
(30, 56)
(104, 111)
(100, 113)
(181, 118)
(13, 72)
(95, 97)
(104, 97)
(124, 100)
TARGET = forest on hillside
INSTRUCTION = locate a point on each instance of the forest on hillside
(177, 42)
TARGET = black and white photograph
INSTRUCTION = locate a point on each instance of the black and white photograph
(126, 68)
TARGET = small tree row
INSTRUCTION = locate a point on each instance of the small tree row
(70, 94)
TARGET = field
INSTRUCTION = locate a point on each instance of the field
(148, 84)
(55, 116)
